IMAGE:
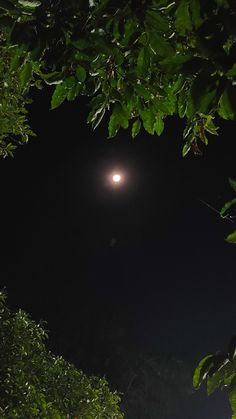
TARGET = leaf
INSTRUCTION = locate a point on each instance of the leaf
(160, 46)
(29, 3)
(156, 21)
(26, 74)
(195, 12)
(113, 125)
(183, 21)
(202, 370)
(231, 238)
(148, 118)
(130, 28)
(80, 73)
(143, 62)
(216, 379)
(228, 207)
(52, 78)
(118, 119)
(203, 92)
(142, 91)
(227, 104)
(159, 124)
(136, 128)
(209, 125)
(74, 91)
(232, 183)
(59, 95)
(232, 71)
(186, 148)
(174, 63)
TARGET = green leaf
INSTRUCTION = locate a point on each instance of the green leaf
(202, 370)
(232, 183)
(186, 148)
(195, 12)
(159, 124)
(80, 73)
(174, 63)
(136, 128)
(217, 379)
(119, 118)
(231, 238)
(129, 30)
(149, 119)
(74, 91)
(203, 93)
(228, 207)
(227, 104)
(52, 78)
(59, 95)
(29, 3)
(160, 46)
(183, 21)
(232, 71)
(143, 62)
(209, 125)
(156, 21)
(26, 74)
(113, 125)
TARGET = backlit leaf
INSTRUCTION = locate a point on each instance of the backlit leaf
(159, 124)
(202, 370)
(231, 238)
(136, 128)
(59, 95)
(143, 62)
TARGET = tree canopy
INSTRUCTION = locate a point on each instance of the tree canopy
(138, 61)
(35, 383)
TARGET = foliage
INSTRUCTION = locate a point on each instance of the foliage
(16, 73)
(219, 371)
(140, 62)
(35, 383)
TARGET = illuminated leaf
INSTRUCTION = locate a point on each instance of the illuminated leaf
(202, 370)
(136, 128)
(231, 238)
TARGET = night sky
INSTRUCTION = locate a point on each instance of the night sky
(144, 266)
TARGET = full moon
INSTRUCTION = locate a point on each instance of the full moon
(116, 178)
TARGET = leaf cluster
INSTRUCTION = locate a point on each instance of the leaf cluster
(35, 383)
(219, 371)
(138, 62)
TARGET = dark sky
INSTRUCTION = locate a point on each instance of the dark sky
(168, 283)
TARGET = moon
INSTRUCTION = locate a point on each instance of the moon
(116, 178)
